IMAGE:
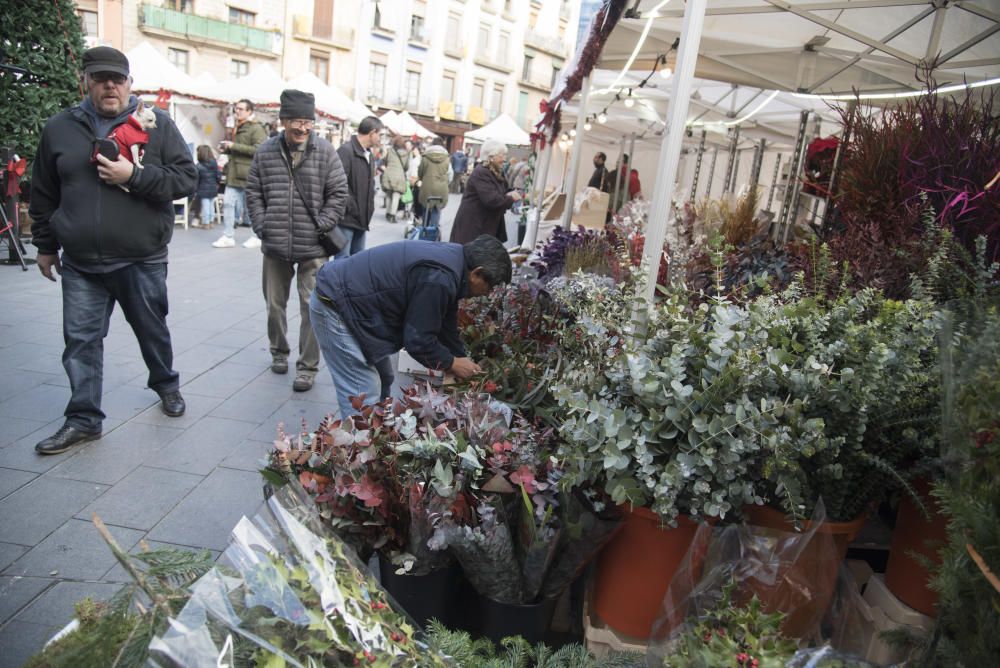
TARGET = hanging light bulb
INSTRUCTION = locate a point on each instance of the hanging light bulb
(564, 137)
(666, 72)
(587, 125)
(572, 132)
(602, 118)
(628, 100)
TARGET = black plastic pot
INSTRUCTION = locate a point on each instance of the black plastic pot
(496, 621)
(424, 597)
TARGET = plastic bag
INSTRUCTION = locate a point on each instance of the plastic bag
(288, 591)
(791, 573)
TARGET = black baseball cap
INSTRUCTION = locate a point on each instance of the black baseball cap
(105, 59)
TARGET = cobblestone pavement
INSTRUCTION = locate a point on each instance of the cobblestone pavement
(175, 481)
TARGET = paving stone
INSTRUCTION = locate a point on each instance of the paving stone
(75, 551)
(223, 381)
(15, 355)
(255, 402)
(12, 479)
(33, 512)
(116, 455)
(21, 640)
(237, 338)
(197, 407)
(21, 455)
(248, 456)
(15, 428)
(201, 358)
(221, 319)
(16, 592)
(56, 607)
(292, 412)
(127, 400)
(203, 446)
(208, 514)
(17, 382)
(42, 403)
(257, 354)
(141, 498)
(9, 553)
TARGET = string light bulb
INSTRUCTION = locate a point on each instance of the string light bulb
(572, 132)
(628, 100)
(587, 125)
(666, 72)
(564, 137)
(602, 118)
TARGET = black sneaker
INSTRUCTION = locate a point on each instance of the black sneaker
(172, 404)
(64, 439)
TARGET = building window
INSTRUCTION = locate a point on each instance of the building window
(241, 17)
(497, 107)
(179, 58)
(526, 68)
(411, 88)
(319, 64)
(555, 77)
(417, 28)
(376, 81)
(180, 5)
(503, 47)
(88, 21)
(533, 19)
(478, 93)
(377, 22)
(238, 68)
(453, 41)
(508, 7)
(483, 45)
(448, 86)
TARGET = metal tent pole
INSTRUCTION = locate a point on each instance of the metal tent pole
(711, 172)
(736, 171)
(774, 181)
(574, 168)
(627, 176)
(726, 185)
(697, 166)
(531, 233)
(794, 167)
(758, 162)
(670, 150)
(797, 192)
(852, 109)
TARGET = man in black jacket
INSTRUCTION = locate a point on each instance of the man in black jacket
(601, 178)
(113, 241)
(400, 295)
(356, 158)
(295, 191)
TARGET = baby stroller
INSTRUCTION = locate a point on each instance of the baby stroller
(423, 230)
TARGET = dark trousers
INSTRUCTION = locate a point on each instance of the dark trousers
(88, 301)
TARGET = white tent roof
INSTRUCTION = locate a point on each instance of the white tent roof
(404, 124)
(261, 86)
(388, 118)
(503, 128)
(330, 99)
(151, 71)
(819, 46)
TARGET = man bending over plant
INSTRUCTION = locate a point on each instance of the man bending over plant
(400, 295)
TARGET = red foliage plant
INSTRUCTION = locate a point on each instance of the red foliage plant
(931, 150)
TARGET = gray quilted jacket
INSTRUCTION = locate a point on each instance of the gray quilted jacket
(276, 211)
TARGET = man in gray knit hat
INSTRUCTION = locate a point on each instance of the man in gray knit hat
(296, 190)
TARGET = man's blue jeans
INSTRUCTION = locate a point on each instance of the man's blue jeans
(352, 375)
(88, 301)
(355, 245)
(234, 204)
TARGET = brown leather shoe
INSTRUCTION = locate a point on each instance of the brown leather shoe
(64, 439)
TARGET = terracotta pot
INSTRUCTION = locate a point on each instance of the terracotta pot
(635, 569)
(803, 582)
(905, 576)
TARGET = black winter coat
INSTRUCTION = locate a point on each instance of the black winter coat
(277, 213)
(484, 203)
(400, 295)
(209, 177)
(96, 223)
(360, 185)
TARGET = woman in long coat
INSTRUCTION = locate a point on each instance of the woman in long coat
(397, 160)
(486, 198)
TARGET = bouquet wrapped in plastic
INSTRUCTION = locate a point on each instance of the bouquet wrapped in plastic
(289, 593)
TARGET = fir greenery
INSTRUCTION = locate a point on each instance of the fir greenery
(45, 38)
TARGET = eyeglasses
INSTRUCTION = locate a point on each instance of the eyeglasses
(300, 124)
(104, 77)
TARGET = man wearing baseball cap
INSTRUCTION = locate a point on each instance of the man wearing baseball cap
(113, 241)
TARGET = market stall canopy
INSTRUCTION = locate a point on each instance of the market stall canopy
(329, 99)
(152, 72)
(502, 128)
(262, 86)
(388, 118)
(826, 47)
(405, 125)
